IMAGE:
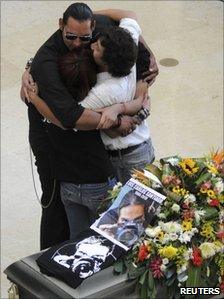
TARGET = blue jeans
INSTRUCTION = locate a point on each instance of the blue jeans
(137, 159)
(81, 203)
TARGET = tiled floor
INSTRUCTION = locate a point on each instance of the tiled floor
(187, 99)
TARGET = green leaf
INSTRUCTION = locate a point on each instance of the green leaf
(203, 178)
(210, 213)
(119, 266)
(151, 282)
(143, 292)
(171, 280)
(143, 277)
(194, 276)
(134, 272)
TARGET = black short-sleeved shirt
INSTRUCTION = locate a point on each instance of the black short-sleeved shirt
(75, 260)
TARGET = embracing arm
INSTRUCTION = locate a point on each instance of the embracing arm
(85, 122)
(149, 76)
(117, 14)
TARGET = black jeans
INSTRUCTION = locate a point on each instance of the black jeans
(54, 227)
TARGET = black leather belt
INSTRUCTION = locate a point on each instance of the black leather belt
(124, 151)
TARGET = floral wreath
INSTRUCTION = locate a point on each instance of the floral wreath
(184, 246)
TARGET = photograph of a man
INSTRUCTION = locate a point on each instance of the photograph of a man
(130, 219)
(85, 257)
(131, 212)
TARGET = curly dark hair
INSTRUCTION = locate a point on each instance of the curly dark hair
(120, 51)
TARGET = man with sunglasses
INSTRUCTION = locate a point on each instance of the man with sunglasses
(76, 29)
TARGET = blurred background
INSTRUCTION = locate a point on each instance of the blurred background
(187, 97)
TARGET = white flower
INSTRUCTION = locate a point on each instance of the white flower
(173, 161)
(221, 216)
(182, 278)
(153, 232)
(190, 198)
(162, 216)
(173, 236)
(165, 239)
(165, 261)
(117, 186)
(171, 227)
(208, 249)
(187, 255)
(163, 267)
(198, 214)
(182, 268)
(175, 207)
(219, 186)
(185, 237)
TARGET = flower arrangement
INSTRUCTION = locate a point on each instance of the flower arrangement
(184, 246)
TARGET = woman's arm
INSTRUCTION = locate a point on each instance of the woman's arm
(43, 108)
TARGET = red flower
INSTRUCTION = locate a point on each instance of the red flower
(185, 206)
(196, 257)
(188, 214)
(206, 185)
(222, 286)
(155, 266)
(214, 202)
(220, 234)
(143, 253)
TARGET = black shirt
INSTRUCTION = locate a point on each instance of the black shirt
(75, 260)
(79, 157)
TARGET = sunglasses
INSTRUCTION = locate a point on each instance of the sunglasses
(84, 38)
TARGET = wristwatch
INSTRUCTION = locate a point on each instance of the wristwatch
(28, 64)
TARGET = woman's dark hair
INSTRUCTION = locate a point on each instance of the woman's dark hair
(79, 11)
(78, 72)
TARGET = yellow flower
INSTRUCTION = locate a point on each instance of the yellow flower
(212, 168)
(211, 193)
(180, 191)
(207, 230)
(203, 190)
(160, 235)
(168, 252)
(184, 192)
(189, 166)
(176, 190)
(187, 225)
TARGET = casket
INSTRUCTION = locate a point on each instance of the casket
(33, 284)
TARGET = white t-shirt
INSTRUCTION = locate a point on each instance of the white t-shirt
(110, 90)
